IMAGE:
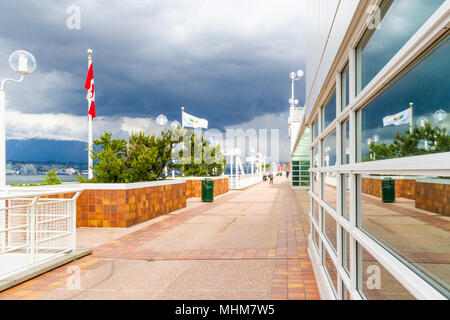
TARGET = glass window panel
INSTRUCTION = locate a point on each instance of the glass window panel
(345, 133)
(345, 180)
(415, 227)
(382, 41)
(346, 251)
(315, 130)
(345, 88)
(425, 85)
(330, 270)
(329, 112)
(345, 292)
(329, 159)
(330, 229)
(329, 150)
(316, 211)
(316, 238)
(376, 283)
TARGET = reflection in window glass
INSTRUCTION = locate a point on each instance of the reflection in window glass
(329, 150)
(345, 181)
(315, 175)
(345, 292)
(345, 88)
(346, 251)
(315, 130)
(316, 212)
(381, 42)
(329, 159)
(329, 112)
(345, 133)
(426, 85)
(330, 229)
(316, 238)
(414, 226)
(376, 283)
(330, 269)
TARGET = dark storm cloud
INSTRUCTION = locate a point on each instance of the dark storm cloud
(225, 61)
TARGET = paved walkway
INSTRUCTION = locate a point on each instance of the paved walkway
(249, 244)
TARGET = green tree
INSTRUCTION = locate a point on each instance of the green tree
(51, 178)
(434, 139)
(199, 157)
(142, 158)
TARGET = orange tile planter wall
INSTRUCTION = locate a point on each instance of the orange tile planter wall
(124, 205)
(431, 195)
(404, 188)
(194, 186)
(371, 187)
(434, 197)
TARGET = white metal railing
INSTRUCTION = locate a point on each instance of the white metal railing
(236, 182)
(35, 227)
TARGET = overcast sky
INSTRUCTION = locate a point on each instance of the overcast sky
(226, 61)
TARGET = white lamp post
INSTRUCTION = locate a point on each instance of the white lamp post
(23, 63)
(294, 77)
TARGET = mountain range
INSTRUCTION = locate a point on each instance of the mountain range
(45, 150)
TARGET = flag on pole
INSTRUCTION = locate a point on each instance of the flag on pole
(89, 86)
(403, 117)
(194, 122)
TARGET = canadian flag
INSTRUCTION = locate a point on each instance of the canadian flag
(89, 86)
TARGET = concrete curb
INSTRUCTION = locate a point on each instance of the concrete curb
(42, 268)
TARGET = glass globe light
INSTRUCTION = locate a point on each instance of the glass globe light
(175, 125)
(161, 120)
(300, 73)
(376, 138)
(440, 115)
(292, 75)
(422, 122)
(22, 62)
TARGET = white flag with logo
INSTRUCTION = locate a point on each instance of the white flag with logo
(194, 122)
(403, 117)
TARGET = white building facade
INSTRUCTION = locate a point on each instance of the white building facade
(367, 60)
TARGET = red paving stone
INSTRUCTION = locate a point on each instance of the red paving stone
(292, 277)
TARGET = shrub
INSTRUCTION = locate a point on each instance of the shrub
(142, 158)
(209, 160)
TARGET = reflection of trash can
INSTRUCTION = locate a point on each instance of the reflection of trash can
(207, 190)
(388, 190)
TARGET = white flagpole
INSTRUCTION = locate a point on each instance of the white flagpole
(411, 107)
(90, 172)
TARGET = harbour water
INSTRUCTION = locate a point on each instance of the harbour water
(37, 178)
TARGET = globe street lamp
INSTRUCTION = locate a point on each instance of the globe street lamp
(440, 116)
(161, 120)
(23, 63)
(422, 123)
(294, 77)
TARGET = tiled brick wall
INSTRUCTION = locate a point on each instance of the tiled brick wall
(220, 186)
(194, 187)
(124, 208)
(371, 187)
(428, 196)
(433, 197)
(404, 188)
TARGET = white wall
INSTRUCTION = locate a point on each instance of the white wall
(323, 39)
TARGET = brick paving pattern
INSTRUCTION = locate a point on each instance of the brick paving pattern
(250, 244)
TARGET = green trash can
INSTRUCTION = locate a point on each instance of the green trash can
(388, 190)
(207, 190)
